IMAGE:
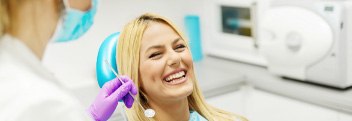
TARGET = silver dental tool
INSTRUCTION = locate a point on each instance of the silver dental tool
(150, 113)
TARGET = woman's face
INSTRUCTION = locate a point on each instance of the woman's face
(165, 64)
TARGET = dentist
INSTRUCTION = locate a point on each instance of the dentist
(28, 91)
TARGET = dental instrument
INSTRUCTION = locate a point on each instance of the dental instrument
(150, 113)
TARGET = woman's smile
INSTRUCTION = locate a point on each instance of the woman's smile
(176, 77)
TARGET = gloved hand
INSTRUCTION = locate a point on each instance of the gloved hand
(109, 96)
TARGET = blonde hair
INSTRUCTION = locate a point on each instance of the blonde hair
(9, 7)
(128, 60)
(4, 16)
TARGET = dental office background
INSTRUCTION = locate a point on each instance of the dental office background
(269, 60)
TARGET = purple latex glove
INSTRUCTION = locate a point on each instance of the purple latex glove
(109, 96)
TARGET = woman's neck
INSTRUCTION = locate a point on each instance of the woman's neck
(176, 111)
(33, 23)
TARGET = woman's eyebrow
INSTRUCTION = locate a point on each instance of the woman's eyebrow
(154, 47)
(160, 46)
(176, 40)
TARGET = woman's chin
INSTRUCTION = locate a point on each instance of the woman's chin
(179, 89)
(180, 92)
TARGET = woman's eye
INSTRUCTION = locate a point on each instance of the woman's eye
(154, 55)
(180, 47)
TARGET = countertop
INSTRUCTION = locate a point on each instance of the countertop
(261, 79)
(214, 78)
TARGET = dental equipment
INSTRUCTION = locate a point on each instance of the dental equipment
(150, 113)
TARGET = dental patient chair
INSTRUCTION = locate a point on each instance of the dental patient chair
(107, 51)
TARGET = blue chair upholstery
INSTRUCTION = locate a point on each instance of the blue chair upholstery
(107, 51)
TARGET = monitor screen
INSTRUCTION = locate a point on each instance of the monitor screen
(236, 20)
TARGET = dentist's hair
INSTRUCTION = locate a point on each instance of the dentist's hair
(128, 53)
(8, 10)
(4, 16)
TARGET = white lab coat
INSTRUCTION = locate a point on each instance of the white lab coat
(28, 91)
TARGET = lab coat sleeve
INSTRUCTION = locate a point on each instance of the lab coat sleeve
(54, 110)
(41, 101)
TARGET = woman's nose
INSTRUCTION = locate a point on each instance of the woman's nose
(174, 58)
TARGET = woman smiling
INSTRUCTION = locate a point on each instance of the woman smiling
(156, 55)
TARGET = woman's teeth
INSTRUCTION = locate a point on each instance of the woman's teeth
(176, 76)
(176, 81)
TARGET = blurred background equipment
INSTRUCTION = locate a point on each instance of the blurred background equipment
(233, 30)
(192, 28)
(308, 41)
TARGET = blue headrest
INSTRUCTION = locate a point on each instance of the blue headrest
(107, 51)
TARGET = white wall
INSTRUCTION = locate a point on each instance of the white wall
(74, 62)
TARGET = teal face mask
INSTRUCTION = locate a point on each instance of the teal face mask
(74, 23)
